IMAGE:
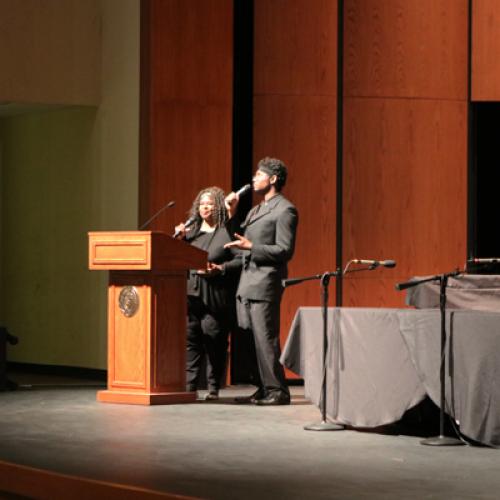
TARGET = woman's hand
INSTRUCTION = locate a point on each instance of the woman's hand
(180, 231)
(211, 270)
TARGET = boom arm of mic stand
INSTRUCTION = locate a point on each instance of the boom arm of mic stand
(437, 277)
(296, 281)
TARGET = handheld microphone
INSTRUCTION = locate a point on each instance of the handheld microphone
(188, 223)
(170, 204)
(243, 190)
(489, 260)
(376, 263)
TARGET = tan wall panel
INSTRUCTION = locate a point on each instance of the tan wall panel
(406, 48)
(485, 50)
(50, 51)
(295, 47)
(405, 172)
(186, 115)
(303, 137)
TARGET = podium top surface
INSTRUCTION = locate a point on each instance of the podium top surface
(142, 250)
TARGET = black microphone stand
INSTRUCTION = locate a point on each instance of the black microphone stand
(440, 440)
(324, 278)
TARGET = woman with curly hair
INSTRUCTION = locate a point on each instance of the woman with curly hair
(211, 291)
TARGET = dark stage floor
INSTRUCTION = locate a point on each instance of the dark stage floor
(226, 451)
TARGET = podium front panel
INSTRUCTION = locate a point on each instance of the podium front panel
(128, 348)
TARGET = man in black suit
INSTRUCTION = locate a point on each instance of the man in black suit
(267, 244)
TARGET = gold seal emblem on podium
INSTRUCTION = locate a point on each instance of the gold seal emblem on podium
(128, 301)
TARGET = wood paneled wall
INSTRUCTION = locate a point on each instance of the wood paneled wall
(405, 142)
(186, 103)
(404, 127)
(485, 50)
(295, 114)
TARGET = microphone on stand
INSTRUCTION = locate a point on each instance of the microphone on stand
(375, 263)
(170, 204)
(489, 260)
(188, 223)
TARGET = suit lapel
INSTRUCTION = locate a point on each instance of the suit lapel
(261, 210)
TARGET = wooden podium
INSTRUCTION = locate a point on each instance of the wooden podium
(147, 311)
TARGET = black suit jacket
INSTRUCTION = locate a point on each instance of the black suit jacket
(271, 227)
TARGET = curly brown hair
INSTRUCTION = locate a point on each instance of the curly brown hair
(220, 215)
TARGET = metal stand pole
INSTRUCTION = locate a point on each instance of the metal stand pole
(324, 425)
(442, 440)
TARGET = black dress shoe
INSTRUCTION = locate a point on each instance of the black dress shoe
(274, 399)
(250, 400)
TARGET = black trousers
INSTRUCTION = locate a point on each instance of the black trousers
(207, 335)
(263, 319)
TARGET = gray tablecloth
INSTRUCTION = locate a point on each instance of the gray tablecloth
(468, 291)
(381, 362)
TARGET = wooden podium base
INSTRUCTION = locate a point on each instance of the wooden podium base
(157, 398)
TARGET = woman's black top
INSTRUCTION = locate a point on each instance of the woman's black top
(216, 292)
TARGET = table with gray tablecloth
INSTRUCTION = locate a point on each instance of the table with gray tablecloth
(466, 291)
(381, 362)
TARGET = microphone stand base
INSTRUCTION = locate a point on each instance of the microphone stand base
(442, 441)
(324, 426)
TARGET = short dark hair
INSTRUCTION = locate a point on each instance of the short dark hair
(273, 166)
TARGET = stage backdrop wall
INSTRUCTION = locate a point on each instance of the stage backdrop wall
(186, 104)
(404, 128)
(295, 119)
(50, 51)
(66, 171)
(405, 141)
(485, 48)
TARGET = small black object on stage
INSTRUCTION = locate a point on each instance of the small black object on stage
(5, 338)
(324, 278)
(440, 440)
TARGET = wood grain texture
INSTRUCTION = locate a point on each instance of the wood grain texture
(186, 103)
(128, 338)
(304, 137)
(146, 351)
(295, 119)
(405, 184)
(485, 50)
(373, 291)
(295, 47)
(406, 48)
(168, 372)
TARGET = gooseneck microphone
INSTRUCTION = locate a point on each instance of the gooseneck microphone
(170, 204)
(188, 223)
(375, 263)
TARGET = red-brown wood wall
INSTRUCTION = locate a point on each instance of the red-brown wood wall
(295, 119)
(186, 103)
(404, 126)
(405, 141)
(485, 50)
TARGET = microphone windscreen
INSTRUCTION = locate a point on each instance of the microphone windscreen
(243, 189)
(389, 263)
